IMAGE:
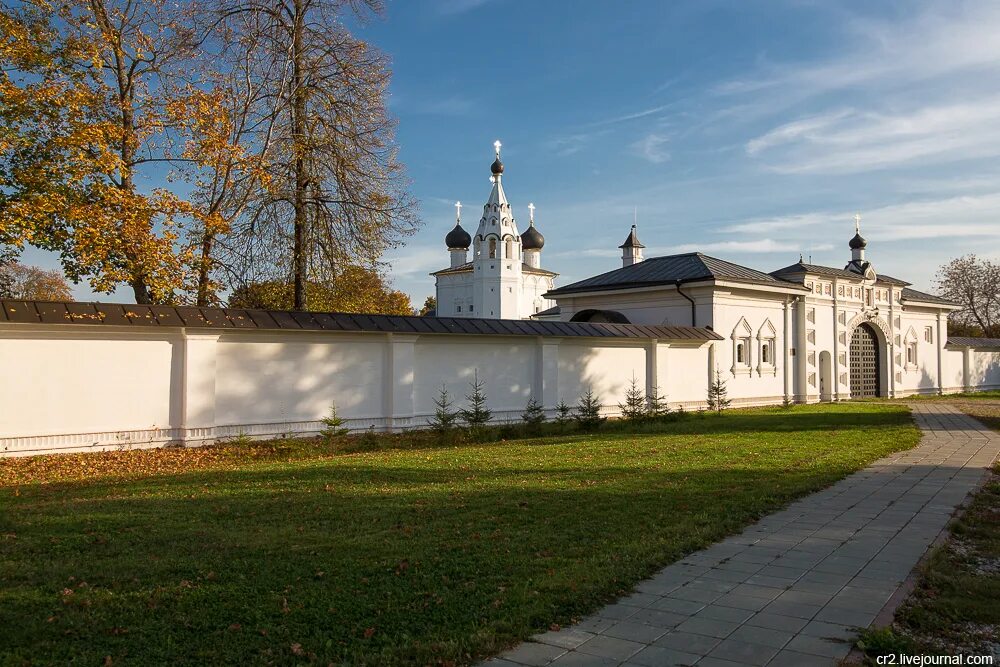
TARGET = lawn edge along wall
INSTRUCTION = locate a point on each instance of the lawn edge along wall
(86, 376)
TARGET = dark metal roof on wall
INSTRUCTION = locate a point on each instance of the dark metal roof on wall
(668, 270)
(815, 269)
(908, 294)
(468, 267)
(117, 314)
(970, 341)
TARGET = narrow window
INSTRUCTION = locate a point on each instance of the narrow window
(493, 248)
(510, 249)
(765, 353)
(739, 353)
(459, 309)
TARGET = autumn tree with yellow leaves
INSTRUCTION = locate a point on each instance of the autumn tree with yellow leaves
(82, 110)
(264, 122)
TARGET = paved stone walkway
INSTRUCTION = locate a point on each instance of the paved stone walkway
(792, 588)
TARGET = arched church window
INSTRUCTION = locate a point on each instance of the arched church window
(741, 353)
(509, 250)
(765, 353)
(493, 248)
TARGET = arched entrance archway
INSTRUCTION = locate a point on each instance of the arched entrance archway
(866, 362)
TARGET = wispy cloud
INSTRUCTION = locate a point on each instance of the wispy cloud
(855, 141)
(631, 116)
(652, 147)
(952, 217)
(936, 40)
(455, 7)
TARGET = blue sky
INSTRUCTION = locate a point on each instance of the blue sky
(749, 131)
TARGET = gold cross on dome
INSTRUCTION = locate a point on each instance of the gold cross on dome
(857, 223)
(496, 146)
(458, 211)
(531, 212)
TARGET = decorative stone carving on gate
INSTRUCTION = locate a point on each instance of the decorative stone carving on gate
(870, 317)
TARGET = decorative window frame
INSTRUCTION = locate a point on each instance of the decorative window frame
(742, 335)
(766, 339)
(911, 351)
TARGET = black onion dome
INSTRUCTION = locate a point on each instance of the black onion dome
(497, 167)
(532, 239)
(858, 242)
(458, 238)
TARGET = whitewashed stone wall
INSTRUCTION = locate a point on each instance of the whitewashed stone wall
(78, 388)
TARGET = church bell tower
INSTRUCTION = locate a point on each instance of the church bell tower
(497, 254)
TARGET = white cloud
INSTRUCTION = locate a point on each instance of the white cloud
(855, 141)
(746, 247)
(455, 7)
(939, 40)
(652, 148)
(952, 218)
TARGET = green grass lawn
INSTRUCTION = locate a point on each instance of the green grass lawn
(291, 553)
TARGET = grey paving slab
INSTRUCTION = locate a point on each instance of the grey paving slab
(792, 588)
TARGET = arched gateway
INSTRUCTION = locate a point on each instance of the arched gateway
(865, 362)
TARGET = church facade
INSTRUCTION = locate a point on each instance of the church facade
(504, 279)
(801, 333)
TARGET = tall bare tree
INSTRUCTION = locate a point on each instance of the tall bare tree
(335, 192)
(974, 283)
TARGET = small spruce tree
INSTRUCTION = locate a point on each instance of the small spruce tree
(588, 411)
(657, 404)
(564, 413)
(718, 395)
(634, 407)
(333, 425)
(477, 414)
(533, 415)
(444, 418)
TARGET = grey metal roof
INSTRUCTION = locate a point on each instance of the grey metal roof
(909, 294)
(970, 341)
(57, 312)
(464, 268)
(668, 270)
(554, 310)
(815, 269)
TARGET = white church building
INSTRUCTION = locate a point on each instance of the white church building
(799, 333)
(505, 278)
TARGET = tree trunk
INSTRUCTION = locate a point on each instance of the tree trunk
(298, 144)
(204, 269)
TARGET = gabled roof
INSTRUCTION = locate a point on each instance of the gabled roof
(467, 267)
(118, 314)
(669, 270)
(908, 294)
(815, 269)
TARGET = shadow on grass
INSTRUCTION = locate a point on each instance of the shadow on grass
(398, 558)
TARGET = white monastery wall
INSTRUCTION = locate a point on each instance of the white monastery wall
(606, 369)
(505, 365)
(68, 382)
(81, 388)
(687, 371)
